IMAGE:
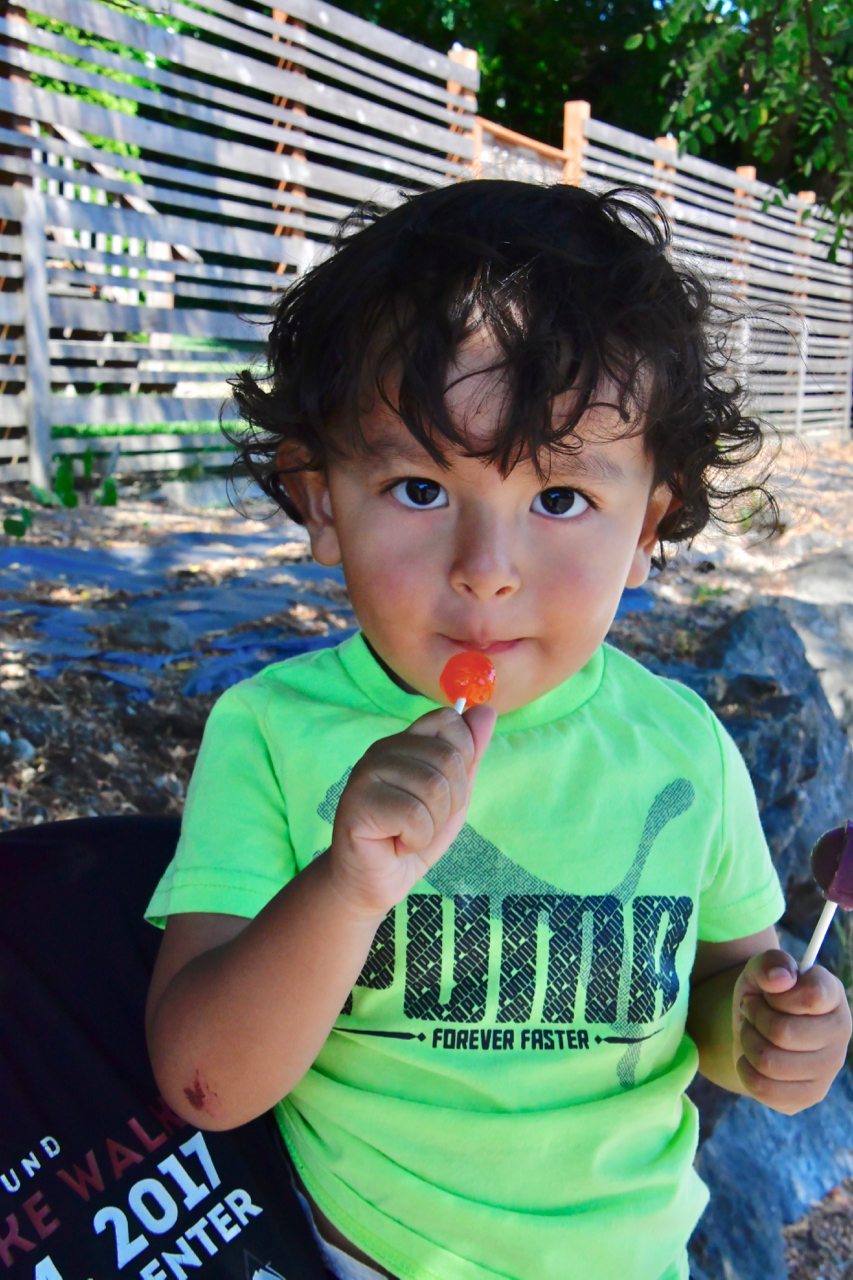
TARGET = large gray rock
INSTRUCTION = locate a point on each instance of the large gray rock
(823, 579)
(764, 1171)
(826, 631)
(755, 674)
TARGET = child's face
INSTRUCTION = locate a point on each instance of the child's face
(439, 561)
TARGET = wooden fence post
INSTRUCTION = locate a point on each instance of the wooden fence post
(37, 334)
(574, 115)
(802, 371)
(467, 58)
(743, 210)
(282, 148)
(847, 411)
(667, 198)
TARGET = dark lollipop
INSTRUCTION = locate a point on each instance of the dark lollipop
(832, 868)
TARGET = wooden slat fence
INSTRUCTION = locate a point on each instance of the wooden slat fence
(765, 253)
(148, 224)
(144, 233)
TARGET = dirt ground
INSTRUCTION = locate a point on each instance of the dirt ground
(92, 749)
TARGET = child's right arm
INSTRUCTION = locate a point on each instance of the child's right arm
(239, 1009)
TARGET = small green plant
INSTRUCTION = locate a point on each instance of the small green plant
(702, 593)
(195, 471)
(108, 496)
(63, 483)
(747, 515)
(87, 468)
(17, 522)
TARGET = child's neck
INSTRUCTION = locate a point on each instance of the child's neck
(390, 673)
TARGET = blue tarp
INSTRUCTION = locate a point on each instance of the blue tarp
(148, 575)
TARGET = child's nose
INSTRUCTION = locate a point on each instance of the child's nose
(484, 565)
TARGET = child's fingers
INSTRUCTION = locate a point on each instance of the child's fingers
(770, 972)
(398, 814)
(448, 726)
(793, 1031)
(816, 992)
(481, 722)
(431, 769)
(787, 1064)
(413, 787)
(787, 1096)
(469, 733)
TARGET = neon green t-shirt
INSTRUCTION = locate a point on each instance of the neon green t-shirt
(503, 1094)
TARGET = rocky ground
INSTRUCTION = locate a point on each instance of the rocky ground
(77, 741)
(820, 1245)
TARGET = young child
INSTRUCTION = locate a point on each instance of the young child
(474, 966)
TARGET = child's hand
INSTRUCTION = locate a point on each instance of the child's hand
(404, 805)
(791, 1031)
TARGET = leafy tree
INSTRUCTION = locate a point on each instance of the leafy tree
(537, 54)
(769, 83)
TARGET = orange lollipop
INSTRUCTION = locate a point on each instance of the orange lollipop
(468, 679)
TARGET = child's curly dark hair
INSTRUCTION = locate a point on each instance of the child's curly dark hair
(577, 294)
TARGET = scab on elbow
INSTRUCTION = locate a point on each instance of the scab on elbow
(203, 1100)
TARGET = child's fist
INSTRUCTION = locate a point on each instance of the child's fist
(791, 1031)
(404, 805)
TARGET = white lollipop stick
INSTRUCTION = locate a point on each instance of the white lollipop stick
(460, 704)
(820, 932)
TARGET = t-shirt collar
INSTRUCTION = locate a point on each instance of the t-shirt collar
(365, 671)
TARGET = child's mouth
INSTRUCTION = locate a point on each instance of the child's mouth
(489, 647)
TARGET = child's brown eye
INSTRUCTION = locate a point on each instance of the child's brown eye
(563, 503)
(420, 493)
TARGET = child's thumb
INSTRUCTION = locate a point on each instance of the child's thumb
(769, 973)
(481, 722)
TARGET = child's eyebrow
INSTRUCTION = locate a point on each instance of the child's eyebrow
(594, 466)
(381, 449)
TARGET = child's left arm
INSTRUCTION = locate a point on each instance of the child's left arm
(763, 1029)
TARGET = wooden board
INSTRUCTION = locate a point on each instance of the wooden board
(121, 410)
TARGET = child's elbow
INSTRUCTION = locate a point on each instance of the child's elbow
(193, 1099)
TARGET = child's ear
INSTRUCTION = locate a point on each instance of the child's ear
(308, 489)
(661, 504)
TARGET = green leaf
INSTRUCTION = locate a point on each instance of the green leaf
(651, 42)
(17, 522)
(64, 483)
(108, 497)
(634, 42)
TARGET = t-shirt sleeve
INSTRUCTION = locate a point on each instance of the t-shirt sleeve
(234, 853)
(741, 894)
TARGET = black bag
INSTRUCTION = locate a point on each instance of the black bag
(97, 1175)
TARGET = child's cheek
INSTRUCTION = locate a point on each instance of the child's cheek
(389, 595)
